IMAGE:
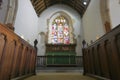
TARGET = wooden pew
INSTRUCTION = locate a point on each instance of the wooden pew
(17, 57)
(102, 58)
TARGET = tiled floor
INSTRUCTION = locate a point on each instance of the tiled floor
(59, 76)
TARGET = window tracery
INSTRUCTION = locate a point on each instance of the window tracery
(60, 33)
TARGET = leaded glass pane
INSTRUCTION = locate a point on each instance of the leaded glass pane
(60, 31)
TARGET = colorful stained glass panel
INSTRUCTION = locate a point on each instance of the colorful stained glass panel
(60, 31)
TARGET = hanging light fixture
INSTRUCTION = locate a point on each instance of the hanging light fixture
(85, 2)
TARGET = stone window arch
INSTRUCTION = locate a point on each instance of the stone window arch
(60, 29)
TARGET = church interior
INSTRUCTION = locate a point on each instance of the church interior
(59, 39)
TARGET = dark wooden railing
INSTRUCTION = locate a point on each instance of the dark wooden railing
(17, 57)
(102, 58)
(69, 61)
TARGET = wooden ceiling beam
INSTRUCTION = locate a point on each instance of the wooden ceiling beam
(41, 5)
(40, 10)
(36, 2)
(32, 1)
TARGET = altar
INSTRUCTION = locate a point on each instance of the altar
(60, 54)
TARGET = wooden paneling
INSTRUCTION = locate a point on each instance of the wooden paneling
(118, 43)
(103, 61)
(7, 59)
(16, 55)
(102, 58)
(22, 64)
(2, 44)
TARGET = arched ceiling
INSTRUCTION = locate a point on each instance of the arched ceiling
(78, 5)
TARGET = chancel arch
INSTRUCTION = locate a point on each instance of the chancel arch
(8, 10)
(105, 15)
(12, 10)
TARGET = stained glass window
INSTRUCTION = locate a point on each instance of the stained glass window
(60, 31)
